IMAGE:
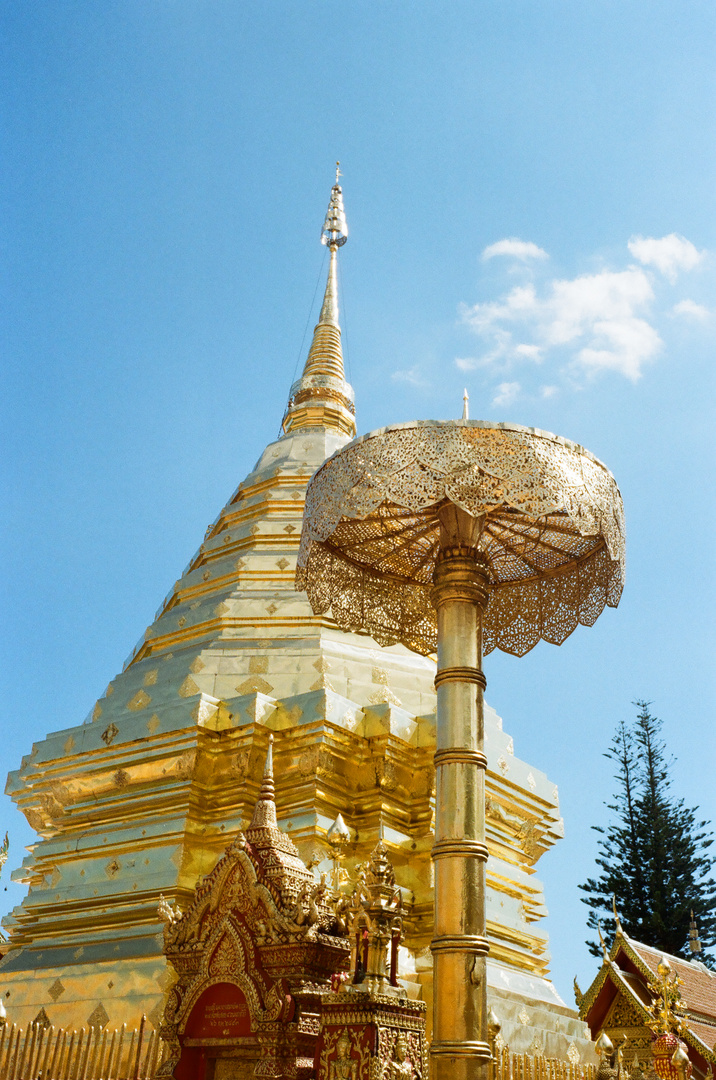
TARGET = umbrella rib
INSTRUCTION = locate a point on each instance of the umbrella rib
(540, 541)
(362, 541)
(415, 536)
(516, 522)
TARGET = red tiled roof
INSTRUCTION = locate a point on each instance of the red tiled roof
(705, 1032)
(699, 989)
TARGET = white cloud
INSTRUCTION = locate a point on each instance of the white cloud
(692, 310)
(549, 391)
(669, 254)
(515, 249)
(506, 393)
(529, 352)
(599, 317)
(411, 376)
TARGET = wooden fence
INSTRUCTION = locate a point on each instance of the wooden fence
(508, 1066)
(88, 1054)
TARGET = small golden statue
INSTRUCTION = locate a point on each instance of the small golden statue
(401, 1067)
(343, 1068)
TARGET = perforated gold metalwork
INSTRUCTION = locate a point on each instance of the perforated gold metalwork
(553, 533)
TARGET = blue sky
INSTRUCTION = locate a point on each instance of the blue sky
(529, 189)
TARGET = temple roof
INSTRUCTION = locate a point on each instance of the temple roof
(627, 970)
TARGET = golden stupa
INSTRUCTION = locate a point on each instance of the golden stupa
(141, 799)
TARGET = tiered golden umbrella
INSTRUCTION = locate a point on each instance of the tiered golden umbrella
(458, 537)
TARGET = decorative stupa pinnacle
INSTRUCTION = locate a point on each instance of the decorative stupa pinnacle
(322, 397)
(265, 809)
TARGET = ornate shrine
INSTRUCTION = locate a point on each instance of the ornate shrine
(254, 952)
(261, 956)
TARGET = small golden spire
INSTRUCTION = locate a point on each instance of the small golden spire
(322, 397)
(265, 809)
(465, 409)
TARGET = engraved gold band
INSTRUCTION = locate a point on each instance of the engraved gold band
(472, 1049)
(461, 674)
(469, 943)
(460, 755)
(469, 848)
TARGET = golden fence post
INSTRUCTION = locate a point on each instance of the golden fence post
(5, 1049)
(98, 1058)
(120, 1044)
(148, 1056)
(51, 1036)
(3, 1032)
(29, 1039)
(110, 1055)
(74, 1069)
(68, 1059)
(140, 1036)
(130, 1052)
(13, 1067)
(37, 1051)
(62, 1063)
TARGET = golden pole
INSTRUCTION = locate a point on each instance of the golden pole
(460, 1048)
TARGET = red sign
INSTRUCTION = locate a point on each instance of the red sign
(220, 1013)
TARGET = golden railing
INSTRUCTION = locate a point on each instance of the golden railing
(508, 1066)
(86, 1054)
(124, 1054)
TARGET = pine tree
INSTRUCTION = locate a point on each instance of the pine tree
(653, 855)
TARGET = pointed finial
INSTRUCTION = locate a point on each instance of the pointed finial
(605, 953)
(338, 170)
(465, 400)
(265, 809)
(268, 789)
(322, 397)
(616, 914)
(335, 229)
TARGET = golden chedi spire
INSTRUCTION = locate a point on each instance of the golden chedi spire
(322, 397)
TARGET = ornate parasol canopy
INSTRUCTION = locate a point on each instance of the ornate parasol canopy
(552, 531)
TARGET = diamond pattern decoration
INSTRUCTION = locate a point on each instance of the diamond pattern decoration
(56, 990)
(188, 688)
(42, 1020)
(254, 684)
(98, 1018)
(109, 734)
(140, 701)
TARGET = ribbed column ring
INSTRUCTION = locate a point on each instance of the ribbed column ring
(461, 674)
(470, 849)
(473, 1049)
(460, 755)
(472, 943)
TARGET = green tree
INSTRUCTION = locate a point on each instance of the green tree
(653, 855)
